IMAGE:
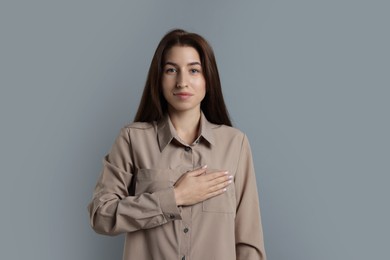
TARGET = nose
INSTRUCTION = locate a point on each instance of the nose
(181, 80)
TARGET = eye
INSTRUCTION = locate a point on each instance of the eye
(194, 71)
(170, 70)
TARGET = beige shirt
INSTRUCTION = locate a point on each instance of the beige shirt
(135, 195)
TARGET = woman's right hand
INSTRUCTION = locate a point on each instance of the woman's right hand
(196, 186)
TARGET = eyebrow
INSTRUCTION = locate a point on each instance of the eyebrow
(189, 64)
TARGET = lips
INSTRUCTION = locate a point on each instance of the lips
(182, 94)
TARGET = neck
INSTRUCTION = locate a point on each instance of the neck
(186, 125)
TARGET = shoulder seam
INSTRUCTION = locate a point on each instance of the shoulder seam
(139, 125)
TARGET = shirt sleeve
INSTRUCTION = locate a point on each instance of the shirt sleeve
(248, 228)
(113, 210)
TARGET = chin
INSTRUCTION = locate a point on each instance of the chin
(181, 109)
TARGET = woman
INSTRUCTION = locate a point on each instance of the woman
(180, 180)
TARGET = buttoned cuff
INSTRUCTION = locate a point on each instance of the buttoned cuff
(168, 204)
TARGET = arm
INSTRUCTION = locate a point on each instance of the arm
(113, 210)
(248, 229)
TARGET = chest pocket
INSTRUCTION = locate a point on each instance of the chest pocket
(223, 203)
(152, 180)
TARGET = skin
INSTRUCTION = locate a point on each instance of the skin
(184, 87)
(183, 83)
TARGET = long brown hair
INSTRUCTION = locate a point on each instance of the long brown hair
(153, 105)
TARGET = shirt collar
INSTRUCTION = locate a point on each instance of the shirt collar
(166, 132)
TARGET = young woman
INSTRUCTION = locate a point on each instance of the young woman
(179, 180)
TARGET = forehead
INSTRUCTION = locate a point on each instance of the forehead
(182, 54)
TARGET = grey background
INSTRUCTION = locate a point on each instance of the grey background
(308, 81)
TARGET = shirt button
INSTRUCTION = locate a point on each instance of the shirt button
(186, 230)
(187, 148)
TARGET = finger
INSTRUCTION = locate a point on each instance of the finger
(215, 175)
(220, 180)
(215, 193)
(221, 185)
(199, 171)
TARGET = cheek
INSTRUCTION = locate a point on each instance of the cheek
(165, 84)
(202, 85)
(199, 83)
(168, 78)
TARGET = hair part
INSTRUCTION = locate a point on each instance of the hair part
(153, 105)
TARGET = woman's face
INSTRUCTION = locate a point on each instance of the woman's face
(183, 82)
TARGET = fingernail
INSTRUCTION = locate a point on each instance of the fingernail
(230, 177)
(204, 166)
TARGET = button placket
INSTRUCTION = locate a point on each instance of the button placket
(187, 163)
(185, 235)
